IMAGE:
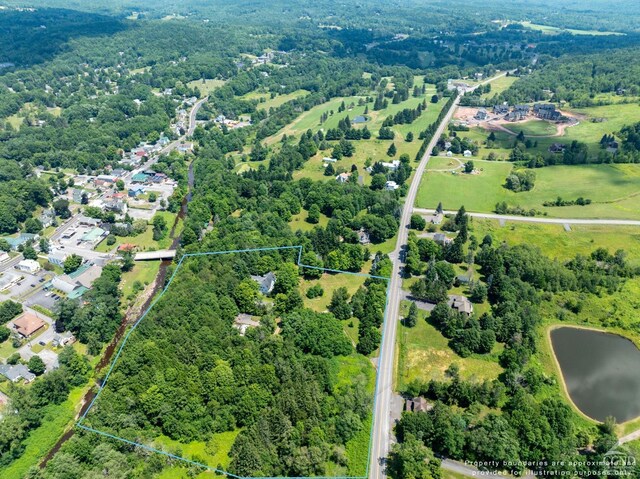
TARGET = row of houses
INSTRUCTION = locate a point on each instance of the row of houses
(545, 111)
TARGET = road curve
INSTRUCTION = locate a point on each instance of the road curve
(541, 219)
(384, 387)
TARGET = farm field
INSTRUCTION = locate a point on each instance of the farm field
(423, 353)
(563, 245)
(613, 189)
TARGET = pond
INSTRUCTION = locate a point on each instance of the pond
(601, 372)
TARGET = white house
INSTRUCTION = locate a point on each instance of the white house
(30, 266)
(467, 153)
(393, 166)
(391, 186)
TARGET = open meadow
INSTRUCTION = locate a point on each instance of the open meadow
(613, 188)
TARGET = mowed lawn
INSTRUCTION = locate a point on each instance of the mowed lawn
(532, 128)
(423, 353)
(499, 85)
(556, 243)
(329, 282)
(613, 189)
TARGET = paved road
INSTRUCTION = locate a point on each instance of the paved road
(384, 387)
(193, 114)
(10, 263)
(541, 219)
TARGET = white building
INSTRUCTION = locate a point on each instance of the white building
(30, 266)
(467, 153)
(391, 186)
(4, 256)
(393, 166)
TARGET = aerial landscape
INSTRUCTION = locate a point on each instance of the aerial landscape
(280, 239)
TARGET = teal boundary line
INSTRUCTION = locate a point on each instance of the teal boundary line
(195, 463)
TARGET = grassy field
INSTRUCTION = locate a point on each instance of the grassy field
(423, 353)
(206, 86)
(299, 222)
(499, 85)
(144, 271)
(559, 244)
(613, 189)
(56, 419)
(329, 282)
(532, 128)
(275, 102)
(556, 30)
(215, 451)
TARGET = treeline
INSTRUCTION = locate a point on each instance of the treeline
(428, 133)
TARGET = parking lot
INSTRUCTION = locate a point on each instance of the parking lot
(73, 237)
(45, 299)
(25, 286)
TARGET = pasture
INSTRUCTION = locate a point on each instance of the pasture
(613, 189)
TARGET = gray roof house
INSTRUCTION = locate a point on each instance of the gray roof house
(461, 304)
(266, 282)
(17, 372)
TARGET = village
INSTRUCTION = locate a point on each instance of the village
(67, 255)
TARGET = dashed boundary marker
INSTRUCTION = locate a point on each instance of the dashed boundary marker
(299, 263)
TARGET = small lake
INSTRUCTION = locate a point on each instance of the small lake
(601, 371)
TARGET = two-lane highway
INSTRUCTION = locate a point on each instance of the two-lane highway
(384, 388)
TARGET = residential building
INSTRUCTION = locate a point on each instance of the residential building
(467, 153)
(481, 114)
(546, 111)
(461, 304)
(442, 239)
(27, 324)
(501, 109)
(327, 159)
(85, 220)
(117, 206)
(243, 322)
(30, 266)
(17, 372)
(62, 339)
(266, 282)
(4, 256)
(393, 166)
(47, 217)
(343, 177)
(57, 257)
(417, 404)
(21, 239)
(391, 186)
(135, 191)
(556, 148)
(363, 236)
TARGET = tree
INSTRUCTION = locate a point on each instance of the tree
(33, 226)
(478, 293)
(159, 227)
(44, 245)
(313, 216)
(120, 185)
(84, 198)
(412, 317)
(111, 240)
(392, 150)
(468, 167)
(4, 245)
(378, 181)
(287, 278)
(417, 222)
(61, 207)
(29, 252)
(410, 459)
(153, 197)
(127, 260)
(409, 137)
(72, 263)
(339, 304)
(36, 365)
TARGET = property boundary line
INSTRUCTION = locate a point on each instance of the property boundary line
(299, 263)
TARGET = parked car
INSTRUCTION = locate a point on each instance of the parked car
(42, 343)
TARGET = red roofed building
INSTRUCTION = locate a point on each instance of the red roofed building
(27, 324)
